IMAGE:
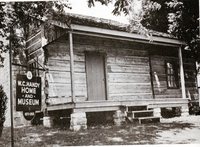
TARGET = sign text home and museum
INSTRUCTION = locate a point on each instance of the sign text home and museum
(28, 93)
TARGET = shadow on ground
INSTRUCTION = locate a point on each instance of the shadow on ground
(128, 134)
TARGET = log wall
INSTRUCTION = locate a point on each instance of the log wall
(160, 79)
(59, 73)
(127, 69)
(190, 78)
(127, 66)
(128, 74)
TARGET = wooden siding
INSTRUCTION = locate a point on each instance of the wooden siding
(95, 70)
(160, 79)
(127, 66)
(190, 78)
(59, 73)
(128, 76)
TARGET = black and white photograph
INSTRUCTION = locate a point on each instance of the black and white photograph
(99, 73)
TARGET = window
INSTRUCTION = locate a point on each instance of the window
(172, 75)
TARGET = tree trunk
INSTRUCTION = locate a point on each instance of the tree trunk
(1, 129)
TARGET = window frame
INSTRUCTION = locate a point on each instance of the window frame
(174, 75)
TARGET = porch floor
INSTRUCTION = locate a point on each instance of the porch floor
(111, 105)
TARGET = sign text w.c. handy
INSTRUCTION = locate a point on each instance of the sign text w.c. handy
(28, 93)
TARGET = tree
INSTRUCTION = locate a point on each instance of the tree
(14, 17)
(3, 102)
(176, 17)
(17, 15)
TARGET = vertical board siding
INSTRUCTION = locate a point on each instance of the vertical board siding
(95, 69)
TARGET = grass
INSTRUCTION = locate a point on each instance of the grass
(127, 134)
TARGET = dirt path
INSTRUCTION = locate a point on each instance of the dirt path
(180, 135)
(179, 130)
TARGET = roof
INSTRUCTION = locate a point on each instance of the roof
(93, 26)
(70, 18)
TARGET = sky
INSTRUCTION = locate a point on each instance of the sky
(102, 11)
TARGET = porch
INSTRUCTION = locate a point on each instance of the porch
(112, 105)
(122, 111)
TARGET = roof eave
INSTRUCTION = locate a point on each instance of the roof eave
(95, 31)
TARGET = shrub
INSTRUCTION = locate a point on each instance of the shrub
(3, 102)
(170, 112)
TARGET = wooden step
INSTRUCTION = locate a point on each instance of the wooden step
(131, 120)
(145, 120)
(137, 108)
(143, 113)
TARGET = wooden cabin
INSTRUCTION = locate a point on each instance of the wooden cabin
(91, 65)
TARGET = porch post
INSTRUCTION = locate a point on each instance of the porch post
(71, 64)
(184, 108)
(198, 79)
(182, 74)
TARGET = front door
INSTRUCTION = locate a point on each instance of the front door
(95, 76)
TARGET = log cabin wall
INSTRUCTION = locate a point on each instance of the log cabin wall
(190, 78)
(126, 65)
(58, 63)
(159, 77)
(159, 56)
(128, 72)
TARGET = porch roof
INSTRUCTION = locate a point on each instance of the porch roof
(94, 26)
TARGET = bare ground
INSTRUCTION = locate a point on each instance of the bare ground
(178, 130)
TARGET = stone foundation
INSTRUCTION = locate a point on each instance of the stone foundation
(119, 117)
(78, 121)
(48, 121)
(184, 111)
(157, 112)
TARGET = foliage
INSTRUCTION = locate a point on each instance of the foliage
(119, 5)
(3, 102)
(14, 17)
(176, 17)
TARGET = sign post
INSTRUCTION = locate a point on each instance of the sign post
(28, 94)
(198, 85)
(11, 93)
(198, 80)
